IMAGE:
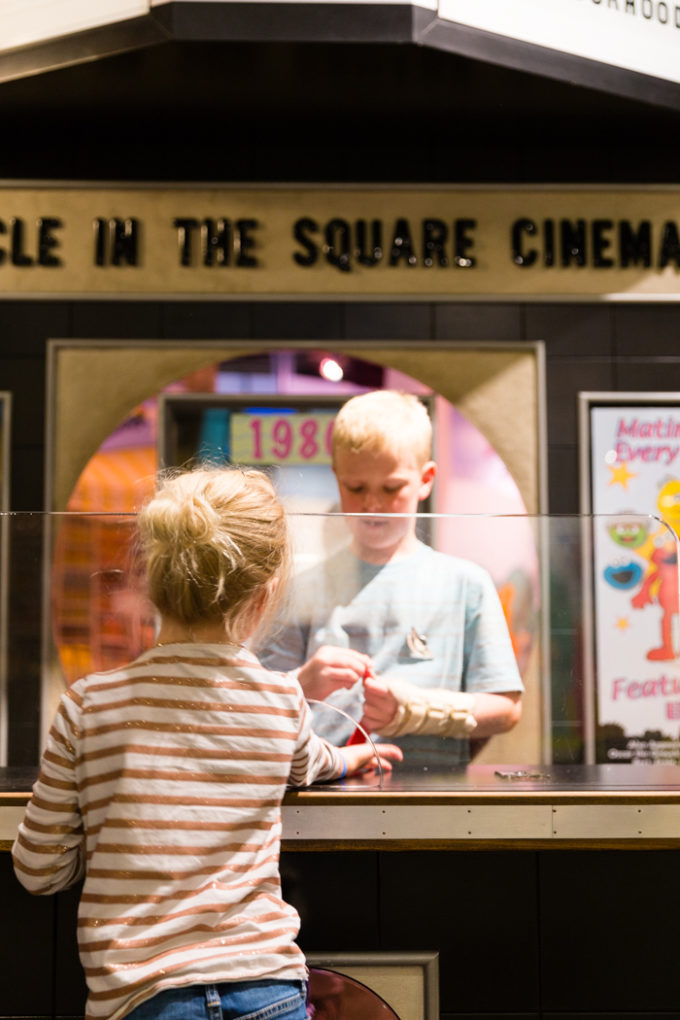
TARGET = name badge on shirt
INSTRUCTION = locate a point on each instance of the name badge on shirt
(417, 645)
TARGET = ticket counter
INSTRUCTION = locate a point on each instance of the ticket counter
(545, 881)
(529, 874)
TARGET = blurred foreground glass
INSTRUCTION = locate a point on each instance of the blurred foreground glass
(590, 603)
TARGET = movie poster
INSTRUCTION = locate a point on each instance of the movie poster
(635, 485)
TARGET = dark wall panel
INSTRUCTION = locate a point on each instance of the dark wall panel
(608, 931)
(337, 896)
(298, 320)
(124, 320)
(206, 320)
(478, 321)
(566, 378)
(610, 1015)
(563, 478)
(652, 374)
(479, 911)
(519, 934)
(24, 325)
(69, 983)
(406, 320)
(571, 331)
(27, 957)
(646, 330)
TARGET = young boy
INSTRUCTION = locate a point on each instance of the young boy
(410, 642)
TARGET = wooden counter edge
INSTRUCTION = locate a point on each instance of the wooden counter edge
(444, 798)
(476, 845)
(484, 845)
(314, 798)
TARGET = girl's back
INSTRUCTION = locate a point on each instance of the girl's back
(177, 765)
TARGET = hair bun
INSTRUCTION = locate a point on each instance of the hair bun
(213, 537)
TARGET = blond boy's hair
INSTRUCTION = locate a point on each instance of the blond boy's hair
(213, 539)
(384, 420)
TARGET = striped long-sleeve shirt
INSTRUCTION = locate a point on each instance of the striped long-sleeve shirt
(161, 784)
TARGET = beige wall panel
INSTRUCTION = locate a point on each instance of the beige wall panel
(97, 388)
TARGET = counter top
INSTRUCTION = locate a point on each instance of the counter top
(482, 805)
(504, 783)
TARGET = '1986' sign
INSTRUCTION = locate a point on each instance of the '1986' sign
(282, 438)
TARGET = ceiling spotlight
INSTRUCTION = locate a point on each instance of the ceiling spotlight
(330, 369)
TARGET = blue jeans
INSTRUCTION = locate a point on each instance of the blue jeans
(237, 1000)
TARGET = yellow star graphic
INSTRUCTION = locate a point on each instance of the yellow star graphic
(620, 475)
(622, 623)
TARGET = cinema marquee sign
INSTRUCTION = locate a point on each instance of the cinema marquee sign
(301, 241)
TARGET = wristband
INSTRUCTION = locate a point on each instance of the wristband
(344, 765)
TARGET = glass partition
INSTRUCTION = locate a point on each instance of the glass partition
(573, 618)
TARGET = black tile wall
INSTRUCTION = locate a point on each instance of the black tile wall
(490, 1016)
(23, 744)
(563, 478)
(309, 320)
(566, 378)
(24, 378)
(571, 330)
(27, 467)
(657, 374)
(24, 326)
(69, 984)
(27, 957)
(25, 583)
(123, 320)
(408, 320)
(646, 330)
(478, 910)
(348, 881)
(463, 321)
(206, 320)
(519, 934)
(608, 931)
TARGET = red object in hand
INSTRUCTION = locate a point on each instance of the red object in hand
(359, 737)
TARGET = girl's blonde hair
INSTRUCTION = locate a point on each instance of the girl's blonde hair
(384, 420)
(213, 540)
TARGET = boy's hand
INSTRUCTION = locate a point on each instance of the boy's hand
(380, 705)
(331, 668)
(360, 757)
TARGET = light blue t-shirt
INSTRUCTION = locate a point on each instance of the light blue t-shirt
(428, 618)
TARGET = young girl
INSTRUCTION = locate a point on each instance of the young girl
(162, 781)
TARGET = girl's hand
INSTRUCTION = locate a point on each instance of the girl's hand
(360, 757)
(330, 668)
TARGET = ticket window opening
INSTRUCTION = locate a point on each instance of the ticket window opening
(476, 474)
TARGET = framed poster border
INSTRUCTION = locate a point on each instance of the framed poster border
(587, 402)
(352, 964)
